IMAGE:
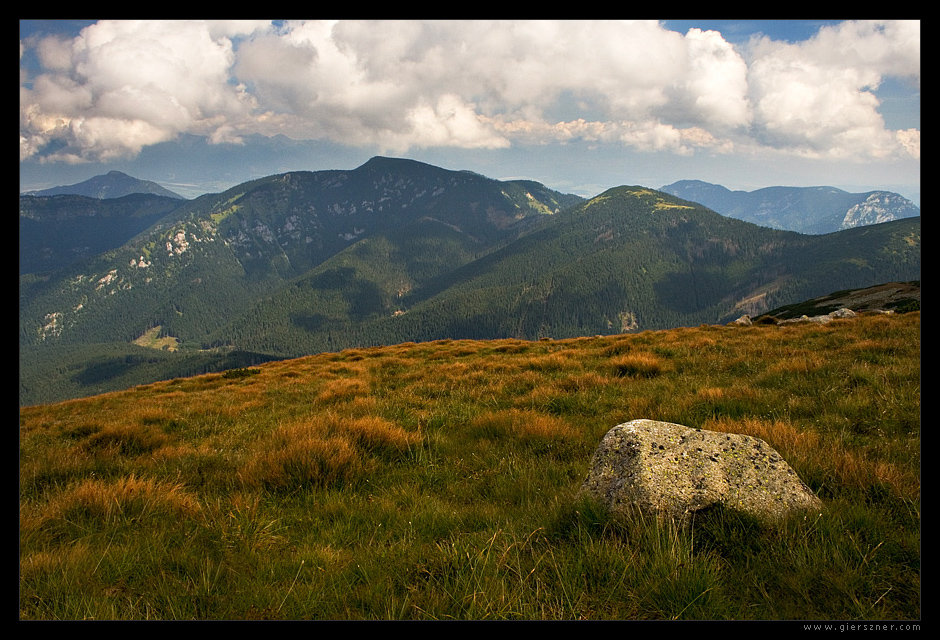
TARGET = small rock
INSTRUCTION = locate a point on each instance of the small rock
(673, 470)
(840, 313)
(843, 313)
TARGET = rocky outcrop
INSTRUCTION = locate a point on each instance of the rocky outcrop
(823, 319)
(899, 297)
(673, 470)
(745, 320)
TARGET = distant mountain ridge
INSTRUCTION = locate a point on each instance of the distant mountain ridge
(113, 184)
(208, 261)
(811, 210)
(397, 251)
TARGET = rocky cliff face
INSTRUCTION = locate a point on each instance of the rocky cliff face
(879, 206)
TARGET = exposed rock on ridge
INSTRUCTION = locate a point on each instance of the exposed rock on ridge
(883, 298)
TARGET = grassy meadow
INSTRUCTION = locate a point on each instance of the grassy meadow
(438, 481)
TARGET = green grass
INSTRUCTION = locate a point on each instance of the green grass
(439, 480)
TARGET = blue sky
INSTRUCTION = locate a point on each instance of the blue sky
(581, 106)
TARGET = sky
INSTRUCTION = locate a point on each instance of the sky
(581, 106)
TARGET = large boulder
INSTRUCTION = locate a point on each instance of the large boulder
(672, 470)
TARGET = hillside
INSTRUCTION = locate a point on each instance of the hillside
(890, 296)
(438, 481)
(114, 184)
(222, 252)
(57, 231)
(633, 259)
(397, 251)
(812, 210)
(215, 257)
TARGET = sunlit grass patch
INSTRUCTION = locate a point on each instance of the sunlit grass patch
(439, 480)
(711, 394)
(646, 365)
(787, 439)
(375, 434)
(342, 390)
(553, 362)
(512, 346)
(79, 554)
(588, 381)
(528, 427)
(244, 524)
(300, 456)
(125, 440)
(798, 364)
(51, 467)
(90, 505)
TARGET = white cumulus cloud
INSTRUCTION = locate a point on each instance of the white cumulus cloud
(817, 97)
(121, 85)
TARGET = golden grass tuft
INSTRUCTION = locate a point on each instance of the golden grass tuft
(618, 347)
(375, 434)
(243, 523)
(301, 455)
(126, 440)
(588, 381)
(781, 435)
(525, 425)
(361, 406)
(129, 499)
(77, 554)
(551, 362)
(701, 342)
(638, 365)
(342, 390)
(511, 346)
(173, 452)
(710, 394)
(803, 363)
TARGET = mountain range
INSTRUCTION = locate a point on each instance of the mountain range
(396, 251)
(813, 210)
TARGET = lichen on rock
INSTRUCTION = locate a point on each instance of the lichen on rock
(673, 470)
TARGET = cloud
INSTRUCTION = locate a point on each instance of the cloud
(817, 97)
(395, 85)
(714, 84)
(122, 85)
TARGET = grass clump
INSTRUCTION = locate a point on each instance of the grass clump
(301, 456)
(439, 481)
(645, 365)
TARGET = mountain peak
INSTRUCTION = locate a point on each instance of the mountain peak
(113, 184)
(385, 163)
